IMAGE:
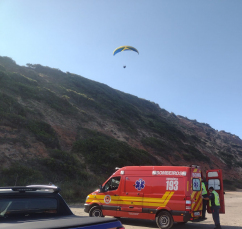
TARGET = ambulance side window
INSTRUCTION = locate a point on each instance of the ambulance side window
(215, 183)
(196, 184)
(112, 184)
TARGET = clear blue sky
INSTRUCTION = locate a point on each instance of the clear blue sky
(190, 60)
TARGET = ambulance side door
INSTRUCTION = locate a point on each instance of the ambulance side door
(214, 179)
(131, 197)
(111, 191)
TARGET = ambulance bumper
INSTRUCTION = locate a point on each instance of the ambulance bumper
(87, 208)
(186, 215)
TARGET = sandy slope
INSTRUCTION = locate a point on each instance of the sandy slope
(232, 219)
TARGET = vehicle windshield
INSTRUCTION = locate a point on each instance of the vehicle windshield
(27, 207)
(112, 184)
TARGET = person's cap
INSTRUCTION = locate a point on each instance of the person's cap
(211, 188)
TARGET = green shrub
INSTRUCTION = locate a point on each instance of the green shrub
(7, 61)
(188, 157)
(20, 175)
(77, 191)
(44, 133)
(103, 153)
(66, 165)
(2, 74)
(227, 158)
(192, 153)
(23, 79)
(11, 106)
(238, 164)
(232, 184)
(160, 147)
(2, 69)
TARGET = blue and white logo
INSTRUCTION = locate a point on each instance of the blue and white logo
(140, 184)
(196, 185)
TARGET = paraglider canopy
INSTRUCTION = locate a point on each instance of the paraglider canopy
(124, 48)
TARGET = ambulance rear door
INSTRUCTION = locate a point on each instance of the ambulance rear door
(196, 193)
(214, 179)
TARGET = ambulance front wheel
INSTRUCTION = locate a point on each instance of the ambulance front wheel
(164, 220)
(96, 212)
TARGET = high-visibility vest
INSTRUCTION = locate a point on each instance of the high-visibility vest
(204, 190)
(216, 199)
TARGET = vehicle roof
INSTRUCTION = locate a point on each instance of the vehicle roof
(58, 222)
(129, 168)
(133, 170)
(15, 190)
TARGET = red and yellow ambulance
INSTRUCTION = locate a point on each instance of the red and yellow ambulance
(166, 194)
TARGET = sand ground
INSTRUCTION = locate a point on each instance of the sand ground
(232, 219)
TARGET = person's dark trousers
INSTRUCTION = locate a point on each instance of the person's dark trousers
(215, 213)
(204, 206)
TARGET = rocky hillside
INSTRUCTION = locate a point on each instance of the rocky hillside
(64, 128)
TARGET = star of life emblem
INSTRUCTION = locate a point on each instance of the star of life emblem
(140, 184)
(196, 184)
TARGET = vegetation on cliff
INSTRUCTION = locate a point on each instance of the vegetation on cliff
(72, 131)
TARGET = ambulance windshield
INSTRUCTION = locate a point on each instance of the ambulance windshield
(112, 184)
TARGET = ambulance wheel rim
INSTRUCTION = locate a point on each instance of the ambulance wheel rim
(164, 221)
(97, 213)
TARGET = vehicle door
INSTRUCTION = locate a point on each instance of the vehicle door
(110, 193)
(196, 193)
(131, 197)
(214, 179)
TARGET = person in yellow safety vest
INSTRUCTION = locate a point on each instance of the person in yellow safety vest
(214, 204)
(204, 194)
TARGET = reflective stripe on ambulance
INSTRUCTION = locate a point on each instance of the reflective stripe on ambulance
(116, 200)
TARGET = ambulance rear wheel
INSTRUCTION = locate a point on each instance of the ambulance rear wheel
(164, 220)
(96, 212)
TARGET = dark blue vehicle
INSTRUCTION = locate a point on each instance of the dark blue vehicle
(42, 207)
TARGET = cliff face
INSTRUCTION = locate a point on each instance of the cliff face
(63, 127)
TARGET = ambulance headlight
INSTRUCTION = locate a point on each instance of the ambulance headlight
(87, 198)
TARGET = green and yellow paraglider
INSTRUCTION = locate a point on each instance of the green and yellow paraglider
(124, 48)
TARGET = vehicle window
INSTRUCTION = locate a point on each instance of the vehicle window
(215, 183)
(213, 174)
(112, 184)
(196, 184)
(40, 206)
